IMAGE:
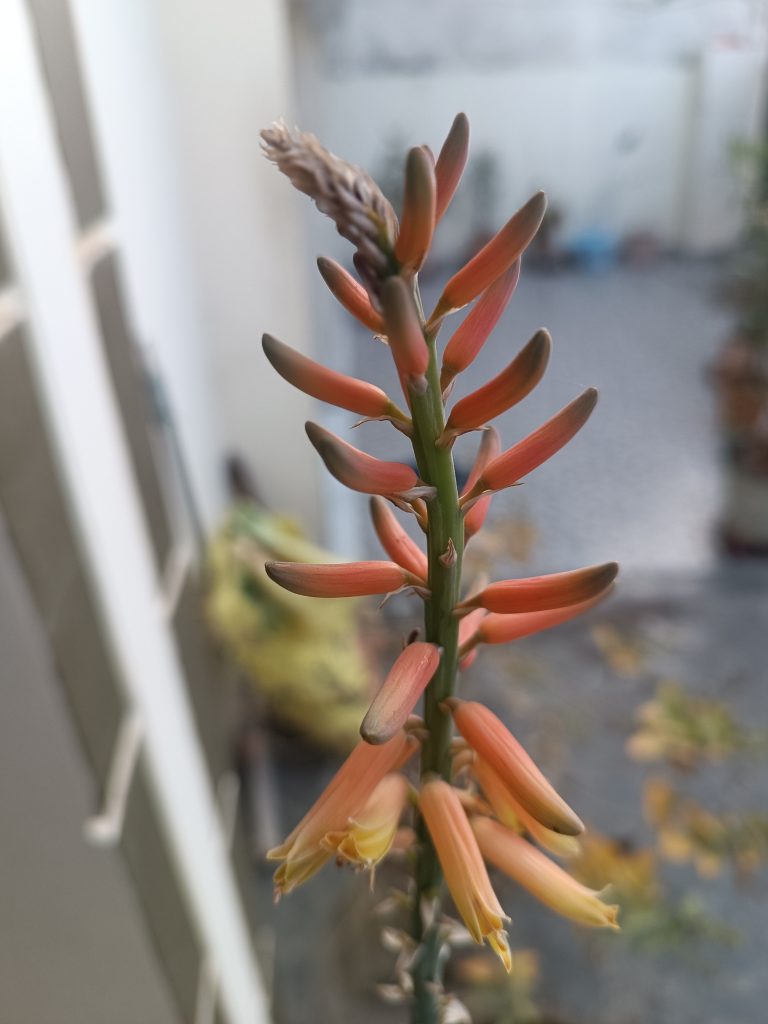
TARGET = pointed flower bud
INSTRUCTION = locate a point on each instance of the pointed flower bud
(345, 193)
(512, 814)
(369, 833)
(542, 877)
(304, 852)
(406, 338)
(351, 294)
(465, 873)
(519, 460)
(350, 579)
(490, 738)
(489, 448)
(494, 258)
(505, 390)
(417, 222)
(395, 541)
(451, 162)
(541, 593)
(362, 472)
(501, 629)
(327, 385)
(473, 332)
(400, 691)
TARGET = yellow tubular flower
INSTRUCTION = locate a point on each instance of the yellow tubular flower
(303, 852)
(511, 813)
(462, 863)
(369, 834)
(543, 878)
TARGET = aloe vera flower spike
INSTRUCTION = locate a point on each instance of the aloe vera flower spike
(356, 819)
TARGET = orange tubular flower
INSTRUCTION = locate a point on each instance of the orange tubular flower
(501, 629)
(542, 593)
(491, 739)
(395, 541)
(351, 294)
(511, 812)
(505, 390)
(370, 832)
(450, 163)
(470, 336)
(418, 218)
(462, 863)
(329, 386)
(489, 448)
(467, 630)
(494, 258)
(400, 691)
(406, 339)
(350, 579)
(519, 460)
(542, 877)
(362, 472)
(305, 850)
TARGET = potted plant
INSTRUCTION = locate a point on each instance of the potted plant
(740, 378)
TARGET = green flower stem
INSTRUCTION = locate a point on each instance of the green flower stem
(445, 545)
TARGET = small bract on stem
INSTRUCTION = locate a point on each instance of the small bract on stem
(464, 784)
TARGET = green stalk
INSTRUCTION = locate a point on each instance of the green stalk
(445, 534)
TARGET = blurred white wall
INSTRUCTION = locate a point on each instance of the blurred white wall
(624, 110)
(228, 74)
(213, 243)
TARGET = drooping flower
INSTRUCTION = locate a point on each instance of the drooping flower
(345, 579)
(519, 460)
(472, 333)
(400, 691)
(362, 472)
(505, 390)
(465, 873)
(351, 294)
(543, 878)
(395, 541)
(512, 814)
(496, 257)
(417, 222)
(490, 738)
(541, 593)
(370, 832)
(329, 386)
(345, 193)
(305, 850)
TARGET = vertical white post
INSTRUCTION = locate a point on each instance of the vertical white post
(94, 462)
